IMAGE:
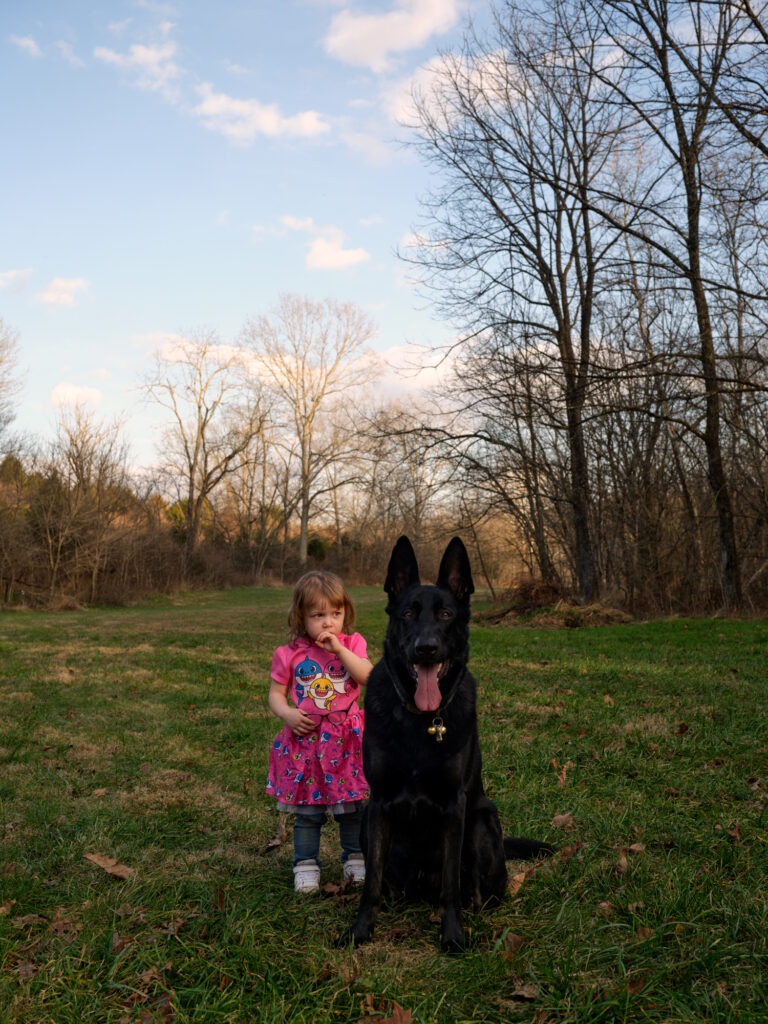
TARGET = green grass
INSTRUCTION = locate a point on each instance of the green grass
(142, 734)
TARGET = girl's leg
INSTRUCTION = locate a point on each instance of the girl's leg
(306, 836)
(349, 833)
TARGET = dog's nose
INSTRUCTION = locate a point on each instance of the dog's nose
(425, 649)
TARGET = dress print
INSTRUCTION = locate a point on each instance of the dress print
(325, 767)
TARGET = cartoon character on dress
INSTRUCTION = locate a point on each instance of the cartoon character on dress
(337, 676)
(307, 671)
(322, 693)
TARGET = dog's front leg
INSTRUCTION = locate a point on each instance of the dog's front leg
(375, 860)
(451, 930)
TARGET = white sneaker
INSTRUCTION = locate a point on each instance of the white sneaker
(354, 869)
(306, 876)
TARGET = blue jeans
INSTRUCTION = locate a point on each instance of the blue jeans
(306, 835)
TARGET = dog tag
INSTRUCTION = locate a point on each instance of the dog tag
(437, 729)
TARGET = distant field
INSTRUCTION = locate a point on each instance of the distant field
(142, 735)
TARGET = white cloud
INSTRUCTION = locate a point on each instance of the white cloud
(28, 45)
(62, 291)
(75, 394)
(157, 339)
(69, 55)
(118, 27)
(369, 222)
(15, 280)
(153, 66)
(326, 251)
(374, 151)
(242, 120)
(407, 370)
(368, 40)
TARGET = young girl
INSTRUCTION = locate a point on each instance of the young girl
(316, 762)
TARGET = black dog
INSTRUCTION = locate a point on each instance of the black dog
(429, 831)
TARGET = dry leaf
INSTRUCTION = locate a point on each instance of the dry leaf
(399, 1016)
(526, 992)
(604, 908)
(636, 848)
(621, 863)
(608, 699)
(99, 792)
(111, 866)
(515, 884)
(28, 919)
(5, 908)
(280, 836)
(119, 942)
(682, 728)
(563, 820)
(644, 933)
(513, 943)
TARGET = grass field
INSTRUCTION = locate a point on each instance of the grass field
(141, 735)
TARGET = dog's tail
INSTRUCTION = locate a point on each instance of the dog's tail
(517, 848)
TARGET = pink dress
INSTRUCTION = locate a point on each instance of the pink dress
(325, 767)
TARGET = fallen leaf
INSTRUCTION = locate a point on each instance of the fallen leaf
(644, 933)
(636, 848)
(735, 832)
(27, 970)
(515, 884)
(621, 863)
(28, 919)
(399, 1015)
(513, 943)
(682, 728)
(604, 908)
(99, 792)
(5, 908)
(119, 942)
(563, 820)
(527, 992)
(608, 699)
(111, 866)
(280, 836)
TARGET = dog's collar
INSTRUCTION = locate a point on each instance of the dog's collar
(436, 729)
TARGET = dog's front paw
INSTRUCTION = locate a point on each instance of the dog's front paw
(453, 943)
(353, 936)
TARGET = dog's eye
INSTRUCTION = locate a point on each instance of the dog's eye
(407, 614)
(445, 613)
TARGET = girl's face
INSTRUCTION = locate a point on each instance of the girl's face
(320, 617)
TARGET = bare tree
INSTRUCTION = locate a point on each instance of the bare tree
(521, 133)
(214, 416)
(668, 64)
(9, 382)
(309, 355)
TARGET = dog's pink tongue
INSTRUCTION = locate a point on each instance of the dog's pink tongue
(428, 695)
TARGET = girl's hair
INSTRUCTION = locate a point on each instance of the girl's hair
(318, 587)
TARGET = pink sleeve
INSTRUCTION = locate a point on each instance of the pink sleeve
(357, 645)
(281, 666)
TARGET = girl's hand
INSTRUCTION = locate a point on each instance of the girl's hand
(299, 723)
(329, 642)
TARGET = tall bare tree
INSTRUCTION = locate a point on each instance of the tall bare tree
(214, 415)
(520, 133)
(309, 355)
(9, 381)
(668, 63)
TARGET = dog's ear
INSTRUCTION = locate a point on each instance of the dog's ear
(403, 569)
(455, 571)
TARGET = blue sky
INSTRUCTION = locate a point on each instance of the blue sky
(174, 166)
